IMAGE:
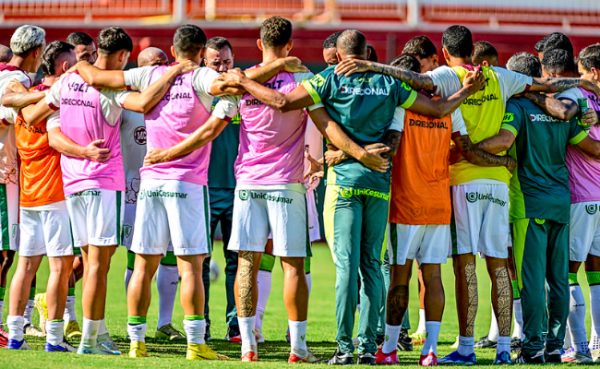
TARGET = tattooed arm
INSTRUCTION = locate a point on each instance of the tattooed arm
(561, 84)
(477, 156)
(560, 109)
(501, 142)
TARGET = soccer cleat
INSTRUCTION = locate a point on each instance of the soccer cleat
(3, 338)
(485, 342)
(207, 335)
(137, 349)
(168, 333)
(525, 358)
(250, 357)
(64, 347)
(554, 357)
(341, 358)
(72, 331)
(310, 358)
(572, 356)
(404, 341)
(39, 302)
(455, 358)
(86, 350)
(201, 351)
(595, 355)
(233, 334)
(382, 358)
(515, 344)
(32, 330)
(366, 359)
(106, 344)
(418, 338)
(258, 335)
(18, 345)
(503, 358)
(428, 360)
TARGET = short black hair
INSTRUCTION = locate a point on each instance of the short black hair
(407, 62)
(420, 46)
(554, 40)
(589, 57)
(458, 40)
(79, 38)
(114, 39)
(275, 32)
(331, 40)
(52, 51)
(352, 42)
(525, 63)
(189, 40)
(483, 50)
(218, 43)
(558, 61)
(372, 54)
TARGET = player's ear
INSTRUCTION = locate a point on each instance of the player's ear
(289, 45)
(368, 53)
(202, 52)
(596, 73)
(446, 54)
(259, 44)
(173, 53)
(485, 63)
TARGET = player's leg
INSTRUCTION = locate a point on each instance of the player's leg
(517, 335)
(129, 268)
(231, 262)
(419, 335)
(592, 268)
(9, 216)
(72, 329)
(167, 280)
(246, 297)
(501, 300)
(216, 212)
(264, 281)
(434, 301)
(295, 298)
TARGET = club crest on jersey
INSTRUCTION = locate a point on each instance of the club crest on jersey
(591, 209)
(139, 135)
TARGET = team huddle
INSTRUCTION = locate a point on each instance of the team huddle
(423, 162)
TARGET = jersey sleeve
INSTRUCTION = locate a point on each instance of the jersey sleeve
(576, 132)
(397, 123)
(318, 86)
(8, 115)
(571, 94)
(53, 95)
(138, 78)
(202, 80)
(513, 118)
(227, 106)
(445, 80)
(458, 123)
(405, 95)
(512, 83)
(53, 121)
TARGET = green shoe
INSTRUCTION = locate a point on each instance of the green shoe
(168, 333)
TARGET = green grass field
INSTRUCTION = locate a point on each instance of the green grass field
(321, 327)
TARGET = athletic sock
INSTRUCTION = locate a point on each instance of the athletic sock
(15, 325)
(55, 331)
(594, 282)
(298, 337)
(568, 342)
(518, 311)
(2, 293)
(70, 314)
(465, 345)
(102, 329)
(392, 333)
(89, 332)
(136, 328)
(577, 315)
(421, 328)
(127, 278)
(167, 279)
(433, 332)
(309, 282)
(264, 290)
(29, 307)
(247, 334)
(503, 344)
(195, 328)
(493, 333)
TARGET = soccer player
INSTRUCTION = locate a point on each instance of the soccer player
(541, 235)
(5, 54)
(221, 187)
(554, 40)
(481, 224)
(484, 53)
(329, 49)
(45, 227)
(27, 44)
(93, 190)
(422, 48)
(133, 145)
(85, 48)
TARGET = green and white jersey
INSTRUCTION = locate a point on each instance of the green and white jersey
(540, 185)
(364, 104)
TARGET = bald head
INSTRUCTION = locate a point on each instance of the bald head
(5, 54)
(352, 43)
(152, 56)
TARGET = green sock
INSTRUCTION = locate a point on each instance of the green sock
(193, 317)
(136, 319)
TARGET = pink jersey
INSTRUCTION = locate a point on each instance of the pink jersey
(271, 148)
(174, 118)
(83, 121)
(584, 170)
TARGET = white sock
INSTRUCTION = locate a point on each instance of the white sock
(595, 312)
(137, 332)
(309, 283)
(102, 328)
(493, 333)
(518, 311)
(568, 342)
(433, 332)
(247, 334)
(28, 311)
(70, 314)
(264, 291)
(421, 328)
(127, 277)
(503, 344)
(392, 333)
(194, 330)
(15, 327)
(89, 332)
(167, 280)
(298, 337)
(55, 331)
(577, 319)
(465, 345)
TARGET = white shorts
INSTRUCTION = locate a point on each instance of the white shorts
(314, 229)
(96, 217)
(171, 211)
(584, 235)
(9, 216)
(481, 218)
(46, 230)
(427, 243)
(281, 212)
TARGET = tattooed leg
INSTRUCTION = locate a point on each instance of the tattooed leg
(246, 292)
(466, 293)
(501, 293)
(397, 299)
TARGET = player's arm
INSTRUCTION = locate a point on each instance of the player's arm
(500, 142)
(100, 78)
(265, 72)
(553, 85)
(417, 81)
(590, 146)
(17, 96)
(473, 154)
(564, 109)
(36, 113)
(64, 145)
